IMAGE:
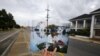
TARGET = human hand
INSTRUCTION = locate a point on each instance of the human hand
(49, 53)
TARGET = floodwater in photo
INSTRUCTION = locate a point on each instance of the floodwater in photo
(39, 41)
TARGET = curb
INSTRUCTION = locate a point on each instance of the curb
(85, 39)
(96, 42)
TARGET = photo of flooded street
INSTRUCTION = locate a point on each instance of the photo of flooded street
(49, 27)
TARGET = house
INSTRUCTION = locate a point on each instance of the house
(91, 21)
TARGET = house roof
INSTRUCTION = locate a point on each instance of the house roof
(96, 11)
(81, 16)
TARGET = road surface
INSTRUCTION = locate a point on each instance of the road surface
(6, 38)
(4, 34)
(81, 48)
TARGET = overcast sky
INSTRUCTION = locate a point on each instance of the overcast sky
(27, 11)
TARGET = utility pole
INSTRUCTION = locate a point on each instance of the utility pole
(32, 25)
(47, 17)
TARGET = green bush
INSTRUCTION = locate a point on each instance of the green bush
(71, 32)
(83, 32)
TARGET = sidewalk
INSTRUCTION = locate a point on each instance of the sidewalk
(86, 39)
(21, 45)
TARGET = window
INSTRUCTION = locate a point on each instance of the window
(98, 21)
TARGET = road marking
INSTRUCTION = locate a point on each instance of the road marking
(9, 46)
(10, 35)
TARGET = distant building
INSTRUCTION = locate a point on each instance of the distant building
(65, 26)
(91, 21)
(60, 29)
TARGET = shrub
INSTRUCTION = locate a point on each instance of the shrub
(71, 32)
(83, 32)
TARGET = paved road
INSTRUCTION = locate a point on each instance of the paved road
(6, 39)
(6, 33)
(80, 48)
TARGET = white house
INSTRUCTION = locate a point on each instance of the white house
(91, 21)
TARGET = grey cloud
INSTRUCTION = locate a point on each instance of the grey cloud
(72, 8)
(61, 10)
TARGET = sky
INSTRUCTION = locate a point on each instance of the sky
(31, 12)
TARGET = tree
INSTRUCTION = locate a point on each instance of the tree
(3, 16)
(7, 20)
(11, 21)
(52, 27)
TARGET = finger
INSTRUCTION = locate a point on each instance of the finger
(53, 53)
(45, 52)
